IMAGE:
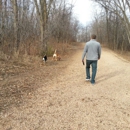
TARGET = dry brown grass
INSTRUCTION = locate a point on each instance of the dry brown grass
(123, 54)
(16, 76)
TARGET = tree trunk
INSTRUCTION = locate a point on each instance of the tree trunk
(15, 9)
(107, 20)
(127, 26)
(1, 23)
(43, 12)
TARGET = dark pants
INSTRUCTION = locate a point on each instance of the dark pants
(93, 63)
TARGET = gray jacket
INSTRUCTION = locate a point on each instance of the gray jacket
(92, 50)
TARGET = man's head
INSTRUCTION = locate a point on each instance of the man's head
(93, 36)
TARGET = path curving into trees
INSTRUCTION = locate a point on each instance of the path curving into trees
(67, 102)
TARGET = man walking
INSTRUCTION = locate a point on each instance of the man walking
(92, 50)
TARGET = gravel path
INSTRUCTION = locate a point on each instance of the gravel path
(68, 102)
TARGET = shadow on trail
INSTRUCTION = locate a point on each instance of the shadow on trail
(108, 76)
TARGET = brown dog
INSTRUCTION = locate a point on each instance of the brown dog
(56, 56)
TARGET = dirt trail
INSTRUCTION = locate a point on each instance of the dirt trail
(68, 102)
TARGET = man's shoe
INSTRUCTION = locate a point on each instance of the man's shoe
(87, 79)
(92, 83)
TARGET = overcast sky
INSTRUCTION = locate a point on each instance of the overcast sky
(84, 10)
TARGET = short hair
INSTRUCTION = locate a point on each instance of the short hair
(93, 36)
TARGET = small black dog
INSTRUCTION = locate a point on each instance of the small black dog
(45, 58)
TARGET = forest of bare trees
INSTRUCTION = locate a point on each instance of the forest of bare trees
(112, 24)
(27, 26)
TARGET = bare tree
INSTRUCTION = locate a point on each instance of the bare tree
(1, 23)
(16, 28)
(43, 9)
(62, 25)
(120, 10)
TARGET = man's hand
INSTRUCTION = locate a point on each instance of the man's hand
(98, 57)
(83, 62)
